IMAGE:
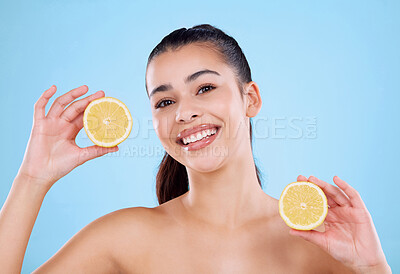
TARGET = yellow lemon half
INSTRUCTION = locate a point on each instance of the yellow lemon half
(107, 121)
(303, 205)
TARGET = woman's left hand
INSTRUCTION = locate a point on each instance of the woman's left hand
(350, 235)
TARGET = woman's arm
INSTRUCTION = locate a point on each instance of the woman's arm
(51, 153)
(89, 251)
(17, 218)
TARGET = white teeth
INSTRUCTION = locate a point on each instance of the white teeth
(198, 136)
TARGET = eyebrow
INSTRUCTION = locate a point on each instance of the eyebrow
(190, 78)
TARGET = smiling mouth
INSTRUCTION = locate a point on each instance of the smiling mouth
(199, 137)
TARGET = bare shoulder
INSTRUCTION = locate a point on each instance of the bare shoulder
(137, 219)
(136, 224)
(94, 246)
(136, 231)
(307, 254)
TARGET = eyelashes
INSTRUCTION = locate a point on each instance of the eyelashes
(166, 102)
(163, 104)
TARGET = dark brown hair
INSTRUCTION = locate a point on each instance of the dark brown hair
(172, 179)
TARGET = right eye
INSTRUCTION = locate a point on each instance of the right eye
(163, 103)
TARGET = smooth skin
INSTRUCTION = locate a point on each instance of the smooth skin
(225, 223)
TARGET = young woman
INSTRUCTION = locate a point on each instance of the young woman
(213, 215)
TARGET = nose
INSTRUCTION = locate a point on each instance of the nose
(185, 116)
(186, 112)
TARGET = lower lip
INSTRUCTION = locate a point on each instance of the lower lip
(202, 143)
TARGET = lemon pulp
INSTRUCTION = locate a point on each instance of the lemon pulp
(107, 121)
(303, 205)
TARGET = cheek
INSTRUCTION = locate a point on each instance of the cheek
(220, 103)
(229, 108)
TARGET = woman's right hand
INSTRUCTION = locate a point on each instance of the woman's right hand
(51, 152)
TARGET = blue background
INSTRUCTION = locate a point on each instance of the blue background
(328, 74)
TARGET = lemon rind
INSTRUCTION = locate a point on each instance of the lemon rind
(313, 225)
(121, 139)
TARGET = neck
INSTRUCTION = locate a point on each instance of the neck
(229, 196)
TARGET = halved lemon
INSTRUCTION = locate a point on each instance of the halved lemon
(107, 121)
(303, 205)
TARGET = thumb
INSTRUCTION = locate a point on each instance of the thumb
(94, 151)
(312, 236)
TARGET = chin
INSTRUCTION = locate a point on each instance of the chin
(204, 162)
(203, 167)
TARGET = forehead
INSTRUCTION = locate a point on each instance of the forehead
(174, 66)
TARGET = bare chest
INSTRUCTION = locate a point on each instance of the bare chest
(202, 251)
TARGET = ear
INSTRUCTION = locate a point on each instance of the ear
(254, 102)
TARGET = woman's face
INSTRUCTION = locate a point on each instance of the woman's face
(192, 89)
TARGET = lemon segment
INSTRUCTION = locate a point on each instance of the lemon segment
(107, 121)
(303, 205)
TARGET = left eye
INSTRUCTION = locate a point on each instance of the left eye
(205, 89)
(165, 103)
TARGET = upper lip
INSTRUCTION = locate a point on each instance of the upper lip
(187, 132)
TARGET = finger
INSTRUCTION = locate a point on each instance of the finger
(301, 178)
(40, 105)
(315, 237)
(78, 121)
(94, 151)
(355, 197)
(59, 104)
(333, 192)
(78, 107)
